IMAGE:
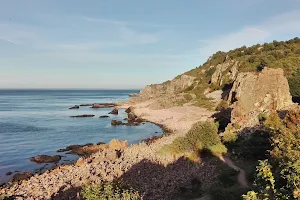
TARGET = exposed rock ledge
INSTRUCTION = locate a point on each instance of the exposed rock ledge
(138, 165)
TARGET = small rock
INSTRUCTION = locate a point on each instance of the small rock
(78, 116)
(8, 173)
(129, 110)
(131, 116)
(115, 144)
(116, 123)
(45, 159)
(115, 111)
(104, 116)
(75, 107)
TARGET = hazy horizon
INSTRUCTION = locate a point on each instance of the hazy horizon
(127, 45)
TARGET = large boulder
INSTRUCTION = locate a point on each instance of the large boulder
(116, 144)
(256, 92)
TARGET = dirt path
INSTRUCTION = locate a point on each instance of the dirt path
(242, 180)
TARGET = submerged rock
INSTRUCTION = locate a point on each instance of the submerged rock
(116, 123)
(81, 116)
(8, 173)
(86, 104)
(115, 111)
(104, 116)
(74, 107)
(45, 159)
(103, 105)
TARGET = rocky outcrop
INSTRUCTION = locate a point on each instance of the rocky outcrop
(169, 87)
(21, 176)
(45, 159)
(256, 92)
(116, 123)
(219, 75)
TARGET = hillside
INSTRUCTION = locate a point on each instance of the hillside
(221, 69)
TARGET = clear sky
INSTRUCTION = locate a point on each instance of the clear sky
(128, 43)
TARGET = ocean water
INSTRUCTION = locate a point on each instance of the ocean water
(35, 122)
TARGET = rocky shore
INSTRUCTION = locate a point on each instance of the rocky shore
(139, 165)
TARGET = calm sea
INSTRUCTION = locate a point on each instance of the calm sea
(34, 122)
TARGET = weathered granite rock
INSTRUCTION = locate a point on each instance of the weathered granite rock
(254, 92)
(45, 159)
(82, 116)
(115, 111)
(74, 107)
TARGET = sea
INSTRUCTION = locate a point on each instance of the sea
(37, 122)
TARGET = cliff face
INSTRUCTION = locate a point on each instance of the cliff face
(167, 88)
(256, 92)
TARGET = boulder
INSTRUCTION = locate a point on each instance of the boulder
(104, 116)
(116, 123)
(83, 150)
(82, 116)
(253, 93)
(45, 159)
(21, 176)
(129, 110)
(115, 111)
(74, 107)
(131, 116)
(116, 144)
(133, 95)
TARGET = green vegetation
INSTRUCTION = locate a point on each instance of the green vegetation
(278, 177)
(202, 136)
(109, 191)
(229, 136)
(284, 54)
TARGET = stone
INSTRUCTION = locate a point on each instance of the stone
(129, 110)
(8, 173)
(256, 92)
(74, 107)
(82, 116)
(104, 116)
(116, 123)
(115, 111)
(116, 144)
(45, 159)
(21, 176)
(131, 116)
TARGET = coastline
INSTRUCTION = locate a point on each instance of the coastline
(67, 180)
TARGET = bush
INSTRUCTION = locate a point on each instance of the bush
(222, 105)
(202, 136)
(229, 136)
(109, 191)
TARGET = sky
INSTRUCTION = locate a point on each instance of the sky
(117, 44)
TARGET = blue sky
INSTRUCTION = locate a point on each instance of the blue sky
(128, 44)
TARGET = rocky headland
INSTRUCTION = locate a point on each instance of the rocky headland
(237, 97)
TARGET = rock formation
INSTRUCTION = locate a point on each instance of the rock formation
(256, 92)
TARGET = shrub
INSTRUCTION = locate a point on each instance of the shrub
(111, 191)
(202, 136)
(229, 136)
(222, 105)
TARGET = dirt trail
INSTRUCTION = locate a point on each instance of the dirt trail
(242, 180)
